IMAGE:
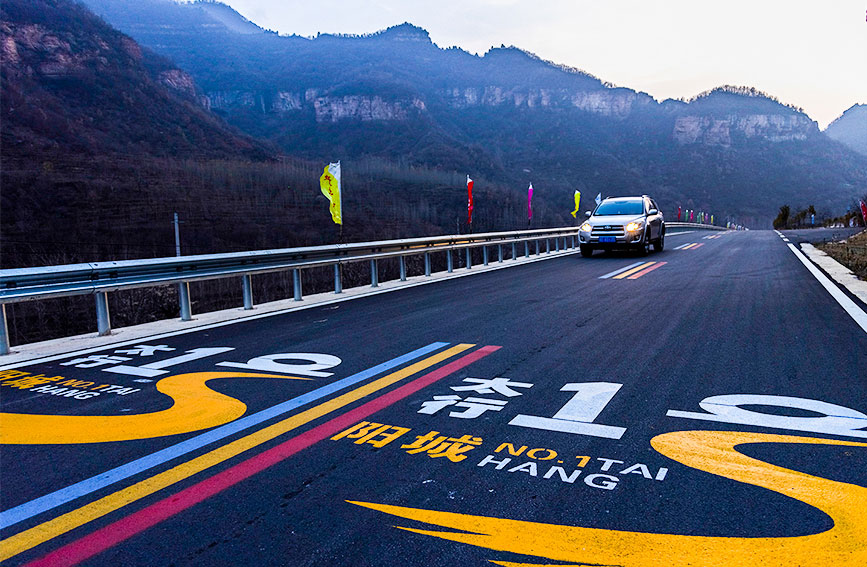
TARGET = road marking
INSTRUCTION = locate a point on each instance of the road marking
(647, 270)
(715, 452)
(41, 533)
(633, 270)
(88, 486)
(194, 407)
(684, 246)
(114, 533)
(847, 304)
(615, 272)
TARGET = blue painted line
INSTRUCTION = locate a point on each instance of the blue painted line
(620, 271)
(57, 498)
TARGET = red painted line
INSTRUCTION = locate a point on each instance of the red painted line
(123, 529)
(646, 270)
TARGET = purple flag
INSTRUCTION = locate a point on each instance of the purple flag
(530, 202)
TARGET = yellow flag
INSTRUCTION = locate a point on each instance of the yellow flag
(330, 185)
(577, 200)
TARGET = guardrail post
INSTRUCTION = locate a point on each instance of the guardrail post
(296, 284)
(184, 301)
(103, 322)
(514, 250)
(573, 242)
(427, 263)
(4, 331)
(485, 255)
(338, 285)
(537, 246)
(374, 275)
(247, 288)
(449, 260)
(547, 246)
(469, 260)
(403, 268)
(557, 244)
(499, 252)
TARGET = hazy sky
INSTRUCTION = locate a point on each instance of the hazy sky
(809, 53)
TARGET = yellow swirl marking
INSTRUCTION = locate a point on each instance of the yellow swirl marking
(195, 407)
(710, 451)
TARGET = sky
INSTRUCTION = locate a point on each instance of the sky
(807, 53)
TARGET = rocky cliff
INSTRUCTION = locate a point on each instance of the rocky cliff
(72, 83)
(721, 131)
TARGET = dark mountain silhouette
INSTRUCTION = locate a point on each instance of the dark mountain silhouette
(851, 128)
(71, 83)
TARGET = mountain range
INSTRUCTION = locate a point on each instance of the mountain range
(198, 80)
(508, 115)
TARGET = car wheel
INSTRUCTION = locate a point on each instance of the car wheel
(586, 251)
(644, 249)
(659, 244)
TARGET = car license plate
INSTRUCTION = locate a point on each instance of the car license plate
(607, 239)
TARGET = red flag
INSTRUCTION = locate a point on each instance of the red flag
(678, 213)
(864, 211)
(470, 200)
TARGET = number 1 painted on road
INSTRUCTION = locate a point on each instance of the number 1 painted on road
(578, 414)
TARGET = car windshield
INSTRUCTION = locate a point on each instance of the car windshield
(620, 208)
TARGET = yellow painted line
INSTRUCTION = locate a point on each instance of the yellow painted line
(690, 246)
(48, 530)
(195, 406)
(633, 270)
(714, 452)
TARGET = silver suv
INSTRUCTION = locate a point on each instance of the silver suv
(623, 223)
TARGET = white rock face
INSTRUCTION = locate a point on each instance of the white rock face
(616, 104)
(328, 109)
(356, 107)
(718, 132)
(285, 101)
(179, 81)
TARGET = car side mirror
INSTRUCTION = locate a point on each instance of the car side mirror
(587, 214)
(652, 212)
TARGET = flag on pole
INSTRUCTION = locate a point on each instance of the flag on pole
(864, 211)
(530, 203)
(577, 200)
(678, 213)
(330, 185)
(469, 200)
(598, 199)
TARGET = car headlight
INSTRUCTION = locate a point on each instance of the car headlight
(586, 227)
(634, 226)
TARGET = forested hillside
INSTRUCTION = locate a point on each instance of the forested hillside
(508, 115)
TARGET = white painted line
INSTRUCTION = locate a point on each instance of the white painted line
(838, 272)
(683, 245)
(36, 353)
(620, 271)
(785, 239)
(847, 304)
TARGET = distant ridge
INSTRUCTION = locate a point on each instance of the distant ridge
(850, 128)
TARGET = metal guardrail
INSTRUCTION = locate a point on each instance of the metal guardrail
(101, 278)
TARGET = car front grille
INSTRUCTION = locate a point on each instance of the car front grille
(608, 230)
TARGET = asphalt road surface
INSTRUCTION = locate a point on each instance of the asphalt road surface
(700, 406)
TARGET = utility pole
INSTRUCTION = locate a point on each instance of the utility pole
(177, 237)
(183, 287)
